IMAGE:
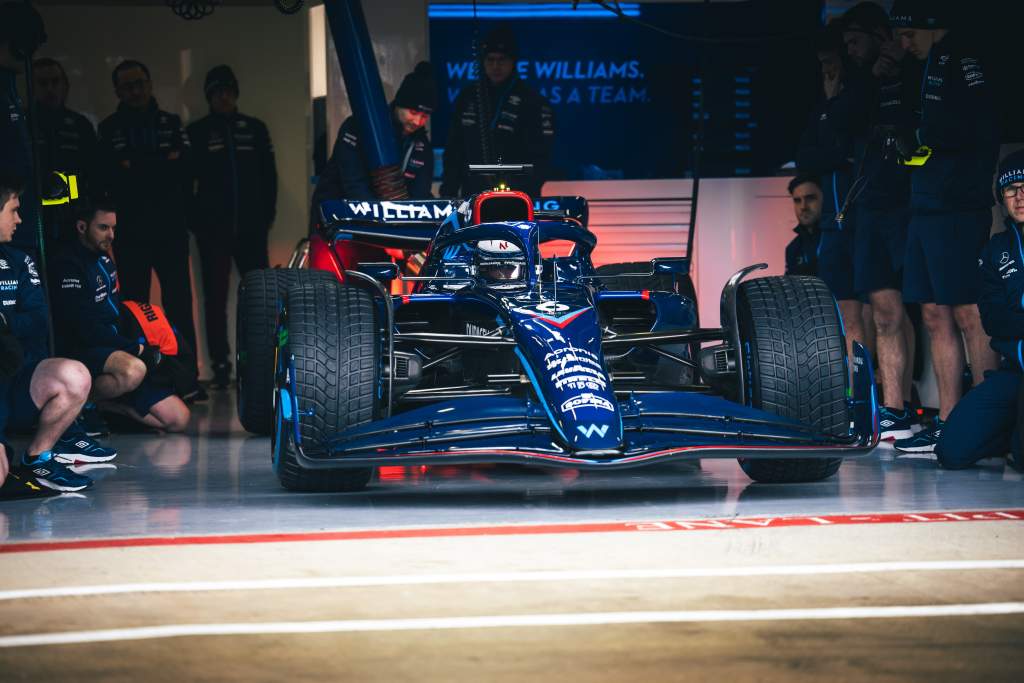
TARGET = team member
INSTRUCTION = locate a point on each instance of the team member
(498, 118)
(48, 392)
(826, 148)
(87, 303)
(986, 422)
(347, 173)
(144, 156)
(235, 203)
(802, 251)
(21, 30)
(951, 200)
(65, 142)
(883, 207)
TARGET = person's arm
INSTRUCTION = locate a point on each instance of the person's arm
(420, 187)
(454, 160)
(351, 165)
(827, 143)
(30, 314)
(268, 174)
(197, 139)
(792, 255)
(1001, 314)
(73, 311)
(89, 152)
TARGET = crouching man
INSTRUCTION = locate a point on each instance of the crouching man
(987, 420)
(41, 393)
(87, 306)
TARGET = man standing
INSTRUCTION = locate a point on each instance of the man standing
(802, 251)
(883, 207)
(498, 118)
(144, 163)
(951, 200)
(65, 140)
(347, 174)
(48, 392)
(235, 203)
(87, 307)
(986, 422)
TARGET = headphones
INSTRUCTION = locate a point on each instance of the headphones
(22, 26)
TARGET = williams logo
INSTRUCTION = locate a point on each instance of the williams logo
(590, 430)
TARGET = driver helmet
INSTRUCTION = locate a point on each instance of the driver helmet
(500, 261)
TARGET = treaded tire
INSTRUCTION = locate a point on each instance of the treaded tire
(255, 320)
(332, 335)
(660, 282)
(793, 338)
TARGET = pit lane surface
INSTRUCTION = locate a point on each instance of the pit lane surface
(619, 598)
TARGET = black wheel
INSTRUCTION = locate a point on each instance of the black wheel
(330, 332)
(256, 316)
(793, 341)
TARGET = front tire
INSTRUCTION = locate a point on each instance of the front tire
(796, 354)
(330, 341)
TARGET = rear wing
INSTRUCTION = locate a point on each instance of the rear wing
(412, 224)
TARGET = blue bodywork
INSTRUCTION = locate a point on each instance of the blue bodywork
(571, 414)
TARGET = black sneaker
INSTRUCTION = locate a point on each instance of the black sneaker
(53, 474)
(221, 375)
(76, 448)
(92, 422)
(922, 442)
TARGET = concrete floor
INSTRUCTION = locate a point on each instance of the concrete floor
(610, 604)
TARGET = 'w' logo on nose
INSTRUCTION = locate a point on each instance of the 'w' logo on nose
(590, 430)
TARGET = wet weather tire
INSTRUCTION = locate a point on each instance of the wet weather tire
(333, 337)
(256, 318)
(795, 349)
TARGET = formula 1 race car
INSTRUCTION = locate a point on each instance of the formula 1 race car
(510, 346)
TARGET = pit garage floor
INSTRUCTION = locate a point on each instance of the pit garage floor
(188, 562)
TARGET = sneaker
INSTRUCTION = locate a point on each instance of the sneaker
(221, 375)
(92, 422)
(896, 425)
(53, 474)
(75, 448)
(922, 442)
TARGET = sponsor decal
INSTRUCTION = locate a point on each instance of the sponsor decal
(9, 302)
(477, 330)
(592, 429)
(587, 400)
(1004, 259)
(3, 265)
(400, 211)
(550, 307)
(70, 283)
(1008, 273)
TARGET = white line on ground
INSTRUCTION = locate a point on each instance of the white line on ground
(511, 621)
(509, 577)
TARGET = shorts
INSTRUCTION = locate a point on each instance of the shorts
(17, 409)
(880, 249)
(144, 397)
(941, 265)
(835, 263)
(93, 359)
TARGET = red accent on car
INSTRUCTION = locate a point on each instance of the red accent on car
(645, 294)
(502, 205)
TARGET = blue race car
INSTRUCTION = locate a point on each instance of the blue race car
(505, 352)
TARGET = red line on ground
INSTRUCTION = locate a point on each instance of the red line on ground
(720, 524)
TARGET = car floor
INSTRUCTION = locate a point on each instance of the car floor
(187, 561)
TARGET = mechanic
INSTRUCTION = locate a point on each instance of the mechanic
(144, 157)
(65, 142)
(87, 304)
(986, 422)
(235, 203)
(802, 251)
(347, 174)
(498, 118)
(44, 394)
(951, 200)
(882, 209)
(826, 150)
(21, 31)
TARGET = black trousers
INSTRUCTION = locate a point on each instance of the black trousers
(216, 252)
(168, 256)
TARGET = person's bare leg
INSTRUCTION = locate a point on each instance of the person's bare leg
(122, 373)
(171, 414)
(4, 464)
(889, 317)
(851, 310)
(867, 325)
(947, 354)
(59, 388)
(910, 343)
(983, 358)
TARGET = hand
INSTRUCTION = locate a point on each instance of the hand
(832, 84)
(151, 356)
(888, 63)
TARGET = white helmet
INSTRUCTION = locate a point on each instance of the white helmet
(500, 261)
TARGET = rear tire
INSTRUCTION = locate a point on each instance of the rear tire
(256, 317)
(331, 332)
(796, 354)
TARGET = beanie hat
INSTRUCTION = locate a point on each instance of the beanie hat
(417, 90)
(924, 14)
(1011, 170)
(866, 17)
(220, 77)
(502, 40)
(21, 26)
